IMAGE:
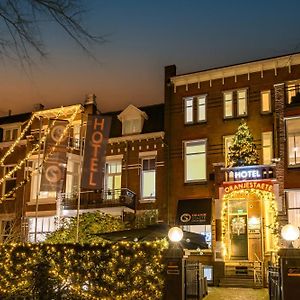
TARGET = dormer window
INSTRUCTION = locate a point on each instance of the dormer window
(132, 120)
(11, 131)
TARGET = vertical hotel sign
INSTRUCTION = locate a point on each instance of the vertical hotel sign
(98, 128)
(53, 171)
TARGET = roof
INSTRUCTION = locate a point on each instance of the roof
(155, 122)
(15, 118)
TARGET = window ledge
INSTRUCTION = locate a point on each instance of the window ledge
(147, 200)
(291, 167)
(202, 182)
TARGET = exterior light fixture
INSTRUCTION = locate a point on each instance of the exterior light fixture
(290, 233)
(175, 234)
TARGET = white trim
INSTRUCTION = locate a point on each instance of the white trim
(114, 157)
(11, 125)
(148, 154)
(46, 213)
(232, 71)
(137, 137)
(8, 144)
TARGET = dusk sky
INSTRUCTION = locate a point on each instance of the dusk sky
(143, 37)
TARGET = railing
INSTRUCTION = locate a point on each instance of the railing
(249, 172)
(98, 199)
(274, 283)
(258, 271)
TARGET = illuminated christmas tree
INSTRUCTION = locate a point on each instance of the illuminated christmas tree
(242, 151)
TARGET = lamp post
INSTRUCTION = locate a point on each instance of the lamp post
(174, 265)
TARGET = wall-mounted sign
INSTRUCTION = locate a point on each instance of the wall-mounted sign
(264, 185)
(98, 128)
(247, 174)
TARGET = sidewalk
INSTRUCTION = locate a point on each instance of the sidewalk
(221, 293)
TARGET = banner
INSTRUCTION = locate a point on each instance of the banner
(53, 171)
(98, 128)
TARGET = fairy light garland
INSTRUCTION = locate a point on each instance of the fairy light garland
(125, 270)
(36, 147)
(267, 197)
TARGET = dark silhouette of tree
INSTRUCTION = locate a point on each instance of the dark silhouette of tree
(21, 26)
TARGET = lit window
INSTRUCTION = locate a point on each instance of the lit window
(201, 108)
(228, 104)
(265, 101)
(293, 135)
(72, 180)
(293, 89)
(38, 228)
(148, 179)
(293, 198)
(112, 180)
(131, 126)
(267, 147)
(242, 102)
(227, 143)
(188, 110)
(195, 160)
(10, 183)
(204, 230)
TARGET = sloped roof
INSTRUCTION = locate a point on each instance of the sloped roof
(15, 118)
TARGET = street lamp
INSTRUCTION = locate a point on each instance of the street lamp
(290, 233)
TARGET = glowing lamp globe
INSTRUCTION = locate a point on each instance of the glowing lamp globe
(175, 234)
(290, 232)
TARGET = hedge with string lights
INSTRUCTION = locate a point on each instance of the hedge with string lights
(124, 270)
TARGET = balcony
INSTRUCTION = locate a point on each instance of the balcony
(255, 172)
(99, 199)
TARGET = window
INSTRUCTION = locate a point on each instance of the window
(148, 179)
(227, 143)
(131, 126)
(76, 136)
(242, 102)
(293, 199)
(201, 108)
(204, 230)
(292, 89)
(9, 183)
(40, 227)
(267, 147)
(195, 160)
(293, 135)
(112, 179)
(265, 101)
(72, 180)
(7, 230)
(228, 104)
(10, 134)
(188, 110)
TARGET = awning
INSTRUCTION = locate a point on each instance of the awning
(194, 212)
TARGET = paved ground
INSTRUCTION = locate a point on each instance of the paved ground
(221, 293)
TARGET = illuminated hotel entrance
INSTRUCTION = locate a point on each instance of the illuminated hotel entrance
(249, 221)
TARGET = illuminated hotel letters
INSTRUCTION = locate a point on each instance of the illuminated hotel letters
(246, 174)
(95, 147)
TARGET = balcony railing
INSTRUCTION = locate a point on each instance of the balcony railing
(255, 172)
(105, 198)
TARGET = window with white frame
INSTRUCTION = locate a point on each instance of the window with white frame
(112, 179)
(38, 228)
(265, 101)
(201, 108)
(76, 136)
(195, 160)
(7, 230)
(267, 147)
(228, 104)
(9, 183)
(242, 102)
(292, 89)
(227, 142)
(10, 134)
(204, 230)
(293, 199)
(72, 180)
(188, 110)
(131, 126)
(293, 135)
(148, 178)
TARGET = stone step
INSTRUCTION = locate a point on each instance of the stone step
(234, 281)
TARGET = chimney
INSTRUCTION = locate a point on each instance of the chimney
(90, 103)
(9, 112)
(38, 107)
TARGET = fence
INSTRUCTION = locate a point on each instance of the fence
(274, 283)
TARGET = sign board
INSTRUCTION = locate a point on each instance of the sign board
(263, 185)
(98, 128)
